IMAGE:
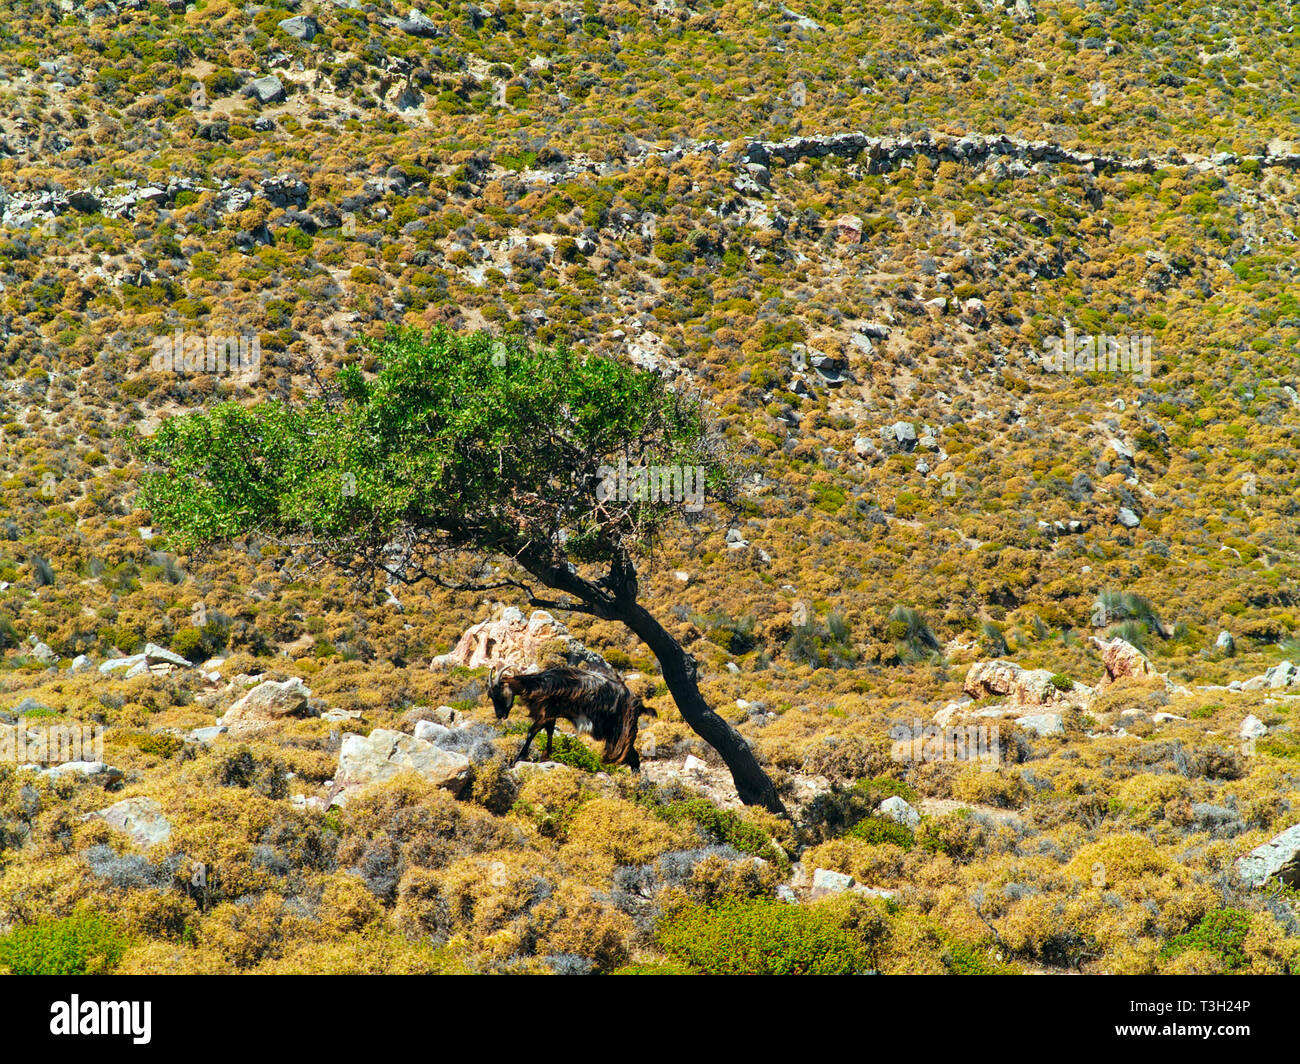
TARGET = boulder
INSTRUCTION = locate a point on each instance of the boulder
(43, 653)
(1024, 687)
(140, 818)
(1042, 724)
(418, 24)
(897, 810)
(304, 27)
(510, 640)
(1252, 728)
(153, 659)
(97, 771)
(432, 732)
(825, 882)
(1278, 858)
(1122, 660)
(1225, 643)
(265, 90)
(381, 755)
(267, 702)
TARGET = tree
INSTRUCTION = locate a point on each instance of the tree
(473, 463)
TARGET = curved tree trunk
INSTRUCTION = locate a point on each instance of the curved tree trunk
(614, 598)
(679, 669)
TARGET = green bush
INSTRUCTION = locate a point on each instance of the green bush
(877, 829)
(1062, 682)
(82, 944)
(761, 937)
(1221, 932)
(961, 958)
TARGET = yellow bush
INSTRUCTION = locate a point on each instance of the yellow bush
(608, 832)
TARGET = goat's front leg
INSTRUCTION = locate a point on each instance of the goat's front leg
(532, 734)
(550, 735)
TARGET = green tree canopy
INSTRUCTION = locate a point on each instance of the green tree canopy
(472, 462)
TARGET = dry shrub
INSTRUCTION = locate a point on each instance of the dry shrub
(346, 905)
(872, 864)
(373, 952)
(609, 832)
(572, 921)
(245, 934)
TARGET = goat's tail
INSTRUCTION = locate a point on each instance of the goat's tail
(622, 751)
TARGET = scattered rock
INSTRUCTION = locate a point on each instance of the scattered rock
(1252, 728)
(382, 754)
(825, 882)
(265, 703)
(1024, 687)
(510, 640)
(304, 27)
(140, 818)
(97, 771)
(1278, 858)
(265, 90)
(897, 810)
(1122, 660)
(1042, 723)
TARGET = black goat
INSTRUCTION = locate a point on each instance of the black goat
(601, 705)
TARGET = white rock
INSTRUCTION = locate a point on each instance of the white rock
(1042, 723)
(1279, 857)
(141, 818)
(694, 766)
(897, 810)
(1252, 728)
(826, 882)
(382, 754)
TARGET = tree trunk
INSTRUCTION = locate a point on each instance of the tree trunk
(614, 598)
(679, 669)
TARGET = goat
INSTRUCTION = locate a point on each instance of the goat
(602, 706)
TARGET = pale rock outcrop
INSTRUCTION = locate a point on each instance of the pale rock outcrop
(381, 755)
(512, 640)
(1122, 661)
(1023, 687)
(896, 809)
(266, 703)
(1278, 858)
(140, 818)
(1252, 728)
(154, 659)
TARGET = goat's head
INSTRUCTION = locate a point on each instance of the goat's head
(501, 693)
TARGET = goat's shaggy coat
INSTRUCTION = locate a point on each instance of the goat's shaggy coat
(600, 705)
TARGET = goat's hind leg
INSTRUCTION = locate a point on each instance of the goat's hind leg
(550, 735)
